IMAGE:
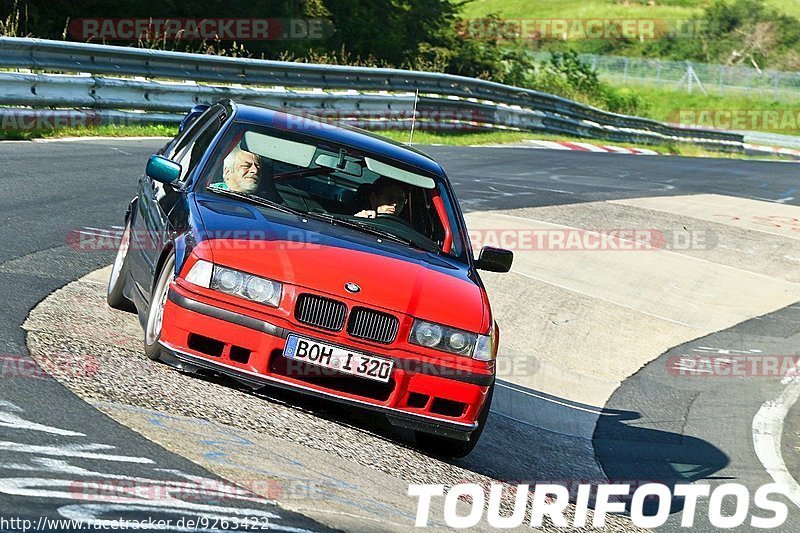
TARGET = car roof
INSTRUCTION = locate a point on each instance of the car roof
(338, 133)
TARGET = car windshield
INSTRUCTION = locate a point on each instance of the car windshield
(339, 184)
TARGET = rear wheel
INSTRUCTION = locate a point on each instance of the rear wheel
(447, 447)
(155, 315)
(119, 273)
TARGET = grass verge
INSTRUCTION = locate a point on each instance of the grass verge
(111, 130)
(420, 138)
(711, 111)
(525, 9)
(603, 9)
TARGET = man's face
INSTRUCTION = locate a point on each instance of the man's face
(389, 201)
(244, 175)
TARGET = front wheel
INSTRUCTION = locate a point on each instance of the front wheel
(155, 315)
(119, 272)
(446, 447)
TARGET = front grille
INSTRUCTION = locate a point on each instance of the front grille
(320, 312)
(372, 325)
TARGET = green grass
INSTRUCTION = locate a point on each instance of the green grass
(111, 130)
(666, 104)
(420, 138)
(669, 9)
(530, 9)
(458, 139)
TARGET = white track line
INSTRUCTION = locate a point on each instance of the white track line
(768, 431)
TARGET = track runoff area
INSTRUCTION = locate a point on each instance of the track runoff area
(667, 273)
(675, 267)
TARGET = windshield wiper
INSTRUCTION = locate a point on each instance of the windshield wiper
(255, 199)
(366, 228)
(302, 173)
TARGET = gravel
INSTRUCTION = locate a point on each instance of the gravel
(96, 352)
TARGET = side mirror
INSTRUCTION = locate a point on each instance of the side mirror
(162, 169)
(494, 259)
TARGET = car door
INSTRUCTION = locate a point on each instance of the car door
(154, 227)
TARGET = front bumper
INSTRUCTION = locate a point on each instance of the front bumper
(425, 397)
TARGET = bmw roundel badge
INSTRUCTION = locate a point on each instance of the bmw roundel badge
(352, 287)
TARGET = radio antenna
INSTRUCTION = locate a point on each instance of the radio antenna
(413, 117)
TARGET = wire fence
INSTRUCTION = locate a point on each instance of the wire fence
(693, 77)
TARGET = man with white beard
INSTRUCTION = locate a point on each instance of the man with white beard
(241, 171)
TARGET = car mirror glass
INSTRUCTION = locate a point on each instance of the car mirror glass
(163, 170)
(494, 259)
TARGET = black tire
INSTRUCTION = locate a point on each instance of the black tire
(119, 272)
(155, 313)
(446, 447)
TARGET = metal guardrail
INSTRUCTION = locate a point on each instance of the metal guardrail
(493, 103)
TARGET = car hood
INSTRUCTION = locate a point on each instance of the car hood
(316, 255)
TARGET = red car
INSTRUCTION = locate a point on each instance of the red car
(284, 251)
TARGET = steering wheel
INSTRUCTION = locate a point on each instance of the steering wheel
(393, 218)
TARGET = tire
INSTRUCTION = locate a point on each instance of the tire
(446, 447)
(155, 314)
(119, 271)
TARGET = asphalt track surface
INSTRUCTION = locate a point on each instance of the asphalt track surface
(49, 189)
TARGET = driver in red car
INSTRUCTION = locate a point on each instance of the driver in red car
(241, 172)
(387, 197)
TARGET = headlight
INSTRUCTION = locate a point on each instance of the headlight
(225, 280)
(230, 281)
(428, 334)
(443, 338)
(262, 290)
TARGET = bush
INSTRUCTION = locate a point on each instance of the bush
(567, 76)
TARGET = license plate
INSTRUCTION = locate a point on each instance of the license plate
(339, 359)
